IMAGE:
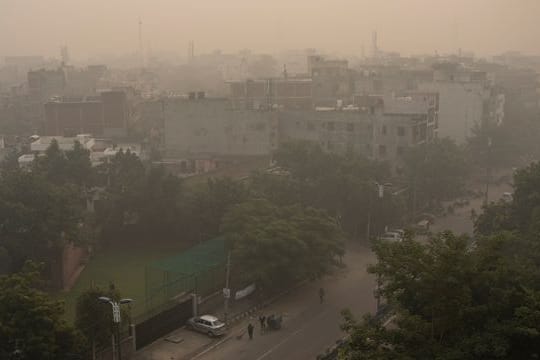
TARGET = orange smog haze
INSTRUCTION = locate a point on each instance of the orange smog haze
(407, 26)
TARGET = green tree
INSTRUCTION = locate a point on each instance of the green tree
(65, 167)
(341, 184)
(491, 146)
(37, 218)
(93, 318)
(522, 214)
(10, 162)
(78, 166)
(273, 245)
(526, 197)
(30, 322)
(454, 301)
(435, 171)
(140, 202)
(495, 217)
(202, 208)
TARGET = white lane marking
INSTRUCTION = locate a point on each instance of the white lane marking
(288, 338)
(211, 347)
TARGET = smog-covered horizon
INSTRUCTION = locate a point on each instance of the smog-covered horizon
(108, 28)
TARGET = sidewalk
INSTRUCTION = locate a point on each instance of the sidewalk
(308, 328)
(184, 344)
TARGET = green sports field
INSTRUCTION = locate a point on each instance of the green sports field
(123, 266)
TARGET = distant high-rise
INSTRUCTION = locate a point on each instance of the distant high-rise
(375, 49)
(64, 54)
(191, 51)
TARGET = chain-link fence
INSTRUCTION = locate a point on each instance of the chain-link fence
(199, 270)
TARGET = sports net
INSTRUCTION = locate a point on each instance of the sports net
(198, 270)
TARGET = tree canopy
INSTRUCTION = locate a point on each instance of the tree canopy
(274, 245)
(343, 185)
(31, 324)
(453, 301)
(93, 318)
(37, 217)
(435, 171)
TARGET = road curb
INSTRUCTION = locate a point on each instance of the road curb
(238, 317)
(264, 304)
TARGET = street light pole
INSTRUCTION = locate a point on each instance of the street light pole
(227, 290)
(380, 195)
(116, 320)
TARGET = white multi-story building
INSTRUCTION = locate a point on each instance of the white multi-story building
(466, 100)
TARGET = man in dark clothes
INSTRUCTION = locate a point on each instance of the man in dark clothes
(250, 331)
(262, 320)
(321, 295)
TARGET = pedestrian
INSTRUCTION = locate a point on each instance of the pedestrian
(250, 331)
(321, 295)
(262, 320)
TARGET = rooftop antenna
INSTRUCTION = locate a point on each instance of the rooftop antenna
(191, 51)
(141, 52)
(148, 54)
(456, 35)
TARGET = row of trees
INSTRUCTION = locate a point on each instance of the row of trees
(287, 226)
(461, 298)
(139, 202)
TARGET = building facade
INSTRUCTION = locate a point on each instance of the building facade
(103, 115)
(210, 126)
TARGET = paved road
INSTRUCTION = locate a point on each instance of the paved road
(309, 327)
(460, 221)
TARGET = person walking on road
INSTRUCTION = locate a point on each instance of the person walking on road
(321, 295)
(262, 320)
(250, 331)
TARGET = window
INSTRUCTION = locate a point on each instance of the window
(330, 126)
(383, 130)
(350, 127)
(400, 150)
(382, 150)
(401, 131)
(310, 126)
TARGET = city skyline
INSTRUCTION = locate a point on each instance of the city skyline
(100, 28)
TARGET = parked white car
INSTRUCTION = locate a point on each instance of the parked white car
(207, 324)
(391, 236)
(508, 196)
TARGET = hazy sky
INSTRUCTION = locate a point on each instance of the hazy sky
(408, 26)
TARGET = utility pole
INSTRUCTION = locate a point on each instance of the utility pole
(227, 290)
(488, 170)
(380, 195)
(141, 51)
(368, 230)
(378, 293)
